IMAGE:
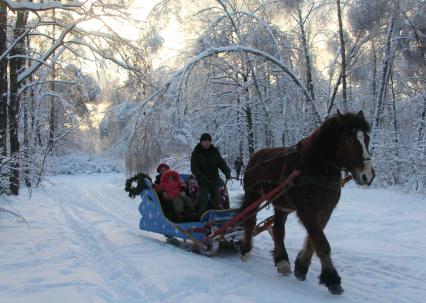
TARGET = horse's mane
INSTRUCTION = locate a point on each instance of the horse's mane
(319, 149)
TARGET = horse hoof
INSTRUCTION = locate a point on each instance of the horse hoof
(283, 267)
(335, 289)
(331, 279)
(299, 275)
(245, 257)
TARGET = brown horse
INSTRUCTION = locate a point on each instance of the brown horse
(340, 143)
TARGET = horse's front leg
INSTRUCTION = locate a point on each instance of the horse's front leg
(249, 226)
(246, 243)
(278, 233)
(329, 275)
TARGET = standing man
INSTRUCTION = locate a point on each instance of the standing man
(238, 164)
(205, 164)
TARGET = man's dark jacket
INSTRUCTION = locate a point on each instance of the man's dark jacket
(206, 162)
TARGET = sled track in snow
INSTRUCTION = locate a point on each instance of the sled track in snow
(123, 281)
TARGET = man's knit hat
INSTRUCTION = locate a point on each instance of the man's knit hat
(205, 137)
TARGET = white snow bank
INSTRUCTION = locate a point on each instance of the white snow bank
(81, 163)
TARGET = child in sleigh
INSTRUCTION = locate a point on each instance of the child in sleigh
(171, 186)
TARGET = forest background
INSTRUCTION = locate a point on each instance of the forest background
(135, 82)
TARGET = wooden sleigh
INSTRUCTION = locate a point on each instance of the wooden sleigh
(213, 228)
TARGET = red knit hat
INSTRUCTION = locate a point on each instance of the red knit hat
(162, 166)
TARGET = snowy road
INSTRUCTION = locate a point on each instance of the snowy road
(82, 244)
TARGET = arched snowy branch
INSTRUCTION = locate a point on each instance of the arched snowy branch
(241, 48)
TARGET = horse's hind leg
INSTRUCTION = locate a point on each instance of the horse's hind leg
(304, 257)
(278, 232)
(314, 225)
(303, 260)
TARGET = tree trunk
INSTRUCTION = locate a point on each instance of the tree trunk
(422, 124)
(284, 117)
(27, 147)
(384, 76)
(387, 61)
(374, 76)
(240, 139)
(268, 119)
(3, 80)
(249, 117)
(27, 126)
(250, 131)
(343, 57)
(52, 116)
(13, 111)
(270, 141)
(36, 140)
(304, 40)
(393, 113)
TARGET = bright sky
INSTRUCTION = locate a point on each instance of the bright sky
(174, 38)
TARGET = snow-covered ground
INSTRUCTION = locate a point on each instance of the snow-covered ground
(81, 243)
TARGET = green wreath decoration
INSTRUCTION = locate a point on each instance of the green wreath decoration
(140, 184)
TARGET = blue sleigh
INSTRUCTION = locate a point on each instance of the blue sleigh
(198, 232)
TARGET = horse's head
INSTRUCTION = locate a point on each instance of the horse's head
(352, 147)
